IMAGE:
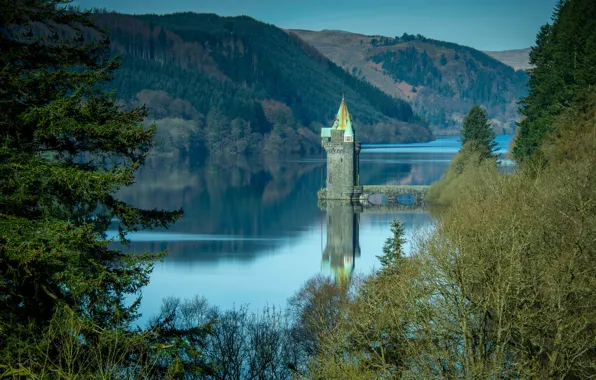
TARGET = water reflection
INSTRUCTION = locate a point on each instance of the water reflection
(342, 249)
(252, 231)
(343, 238)
(232, 210)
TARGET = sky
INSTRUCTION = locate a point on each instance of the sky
(482, 24)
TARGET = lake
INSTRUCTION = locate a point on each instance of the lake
(252, 232)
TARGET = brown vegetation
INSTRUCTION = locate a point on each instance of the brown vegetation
(503, 287)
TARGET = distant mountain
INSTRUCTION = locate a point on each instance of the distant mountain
(235, 85)
(519, 59)
(441, 80)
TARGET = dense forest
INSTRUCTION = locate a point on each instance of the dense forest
(248, 87)
(453, 72)
(441, 80)
(563, 77)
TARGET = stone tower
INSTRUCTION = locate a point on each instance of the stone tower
(343, 151)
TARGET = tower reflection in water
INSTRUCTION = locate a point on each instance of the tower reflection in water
(343, 238)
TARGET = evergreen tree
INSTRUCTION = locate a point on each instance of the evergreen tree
(66, 147)
(393, 248)
(478, 133)
(443, 60)
(563, 72)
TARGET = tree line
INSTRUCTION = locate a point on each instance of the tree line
(562, 77)
(462, 76)
(235, 67)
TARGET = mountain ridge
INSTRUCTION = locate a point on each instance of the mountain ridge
(516, 58)
(441, 80)
(249, 86)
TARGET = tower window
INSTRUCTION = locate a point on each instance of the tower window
(348, 138)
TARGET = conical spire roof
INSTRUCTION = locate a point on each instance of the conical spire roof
(343, 120)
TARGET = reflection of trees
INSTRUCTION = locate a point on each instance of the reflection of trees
(234, 197)
(242, 198)
(401, 169)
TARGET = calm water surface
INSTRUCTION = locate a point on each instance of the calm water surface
(252, 232)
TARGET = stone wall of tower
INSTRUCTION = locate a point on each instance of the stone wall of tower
(341, 165)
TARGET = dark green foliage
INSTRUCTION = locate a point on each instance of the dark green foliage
(443, 60)
(235, 64)
(416, 68)
(478, 145)
(66, 147)
(393, 249)
(472, 77)
(478, 133)
(564, 58)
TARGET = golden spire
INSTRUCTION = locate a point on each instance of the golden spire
(343, 118)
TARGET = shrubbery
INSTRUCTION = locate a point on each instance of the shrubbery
(503, 287)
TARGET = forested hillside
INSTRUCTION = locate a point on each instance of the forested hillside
(441, 80)
(245, 86)
(563, 78)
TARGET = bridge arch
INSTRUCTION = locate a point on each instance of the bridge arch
(406, 199)
(377, 199)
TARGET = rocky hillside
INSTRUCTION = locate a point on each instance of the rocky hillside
(236, 85)
(441, 80)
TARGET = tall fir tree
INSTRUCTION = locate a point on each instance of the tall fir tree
(563, 72)
(66, 147)
(477, 132)
(393, 249)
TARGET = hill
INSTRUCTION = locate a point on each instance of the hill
(519, 59)
(441, 80)
(236, 85)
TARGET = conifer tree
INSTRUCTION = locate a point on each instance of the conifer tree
(563, 72)
(66, 147)
(393, 248)
(477, 132)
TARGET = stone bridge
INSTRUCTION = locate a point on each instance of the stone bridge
(371, 208)
(387, 199)
(392, 192)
